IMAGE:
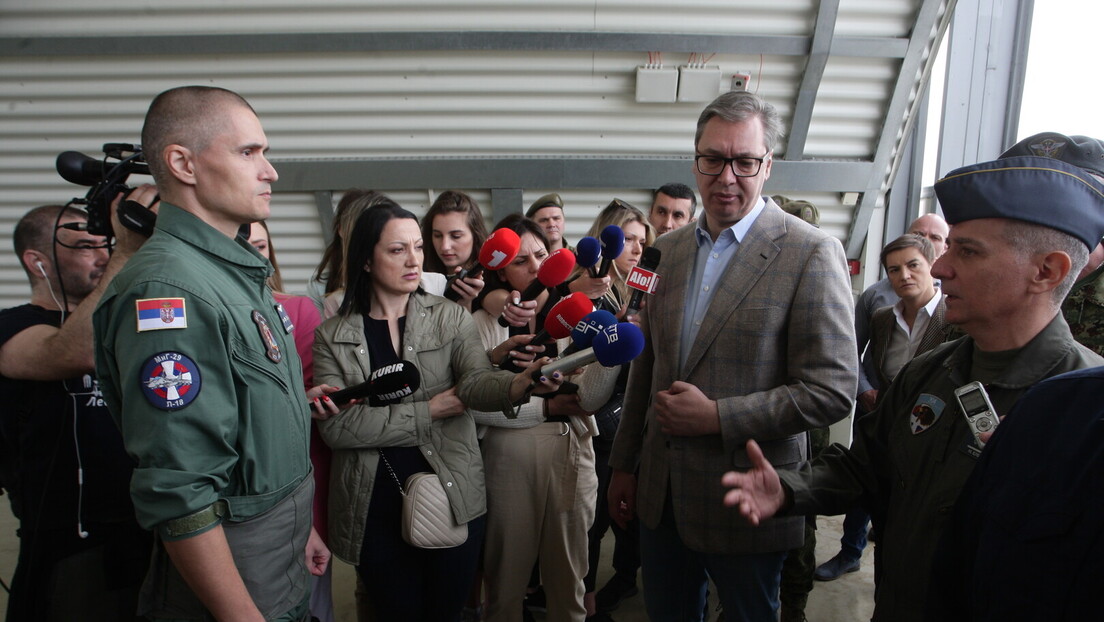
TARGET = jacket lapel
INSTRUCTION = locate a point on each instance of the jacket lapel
(936, 332)
(754, 255)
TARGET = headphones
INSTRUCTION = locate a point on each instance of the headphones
(41, 269)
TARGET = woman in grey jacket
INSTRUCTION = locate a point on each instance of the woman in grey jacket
(385, 317)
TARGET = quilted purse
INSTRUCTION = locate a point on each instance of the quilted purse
(427, 521)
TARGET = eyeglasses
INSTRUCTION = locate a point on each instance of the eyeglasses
(742, 166)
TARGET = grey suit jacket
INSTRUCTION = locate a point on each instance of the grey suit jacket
(882, 325)
(776, 350)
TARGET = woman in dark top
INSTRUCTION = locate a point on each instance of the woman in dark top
(385, 317)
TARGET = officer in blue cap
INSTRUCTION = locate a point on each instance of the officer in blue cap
(1022, 230)
(1084, 306)
(1024, 541)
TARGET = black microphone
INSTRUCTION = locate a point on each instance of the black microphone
(643, 278)
(387, 385)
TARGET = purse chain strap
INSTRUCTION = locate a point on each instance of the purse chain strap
(392, 472)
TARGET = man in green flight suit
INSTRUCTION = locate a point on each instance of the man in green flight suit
(200, 371)
(1022, 228)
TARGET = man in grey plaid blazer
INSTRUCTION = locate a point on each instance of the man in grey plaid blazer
(749, 334)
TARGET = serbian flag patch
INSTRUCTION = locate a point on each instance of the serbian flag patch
(161, 313)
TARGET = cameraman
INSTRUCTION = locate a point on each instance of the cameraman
(81, 552)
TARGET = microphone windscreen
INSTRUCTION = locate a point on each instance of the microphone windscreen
(618, 344)
(583, 333)
(391, 383)
(649, 260)
(613, 242)
(499, 249)
(643, 277)
(588, 251)
(566, 313)
(387, 385)
(556, 268)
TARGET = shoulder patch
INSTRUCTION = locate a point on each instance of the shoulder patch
(925, 412)
(160, 313)
(170, 380)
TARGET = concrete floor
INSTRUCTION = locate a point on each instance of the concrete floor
(848, 599)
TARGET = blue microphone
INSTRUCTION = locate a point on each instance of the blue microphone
(613, 345)
(584, 332)
(613, 242)
(587, 253)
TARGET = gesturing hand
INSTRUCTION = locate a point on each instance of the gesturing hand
(758, 493)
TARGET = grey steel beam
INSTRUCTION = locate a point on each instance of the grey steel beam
(323, 202)
(506, 201)
(343, 42)
(820, 50)
(546, 172)
(1025, 11)
(984, 84)
(900, 114)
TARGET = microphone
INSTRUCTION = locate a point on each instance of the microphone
(387, 385)
(643, 278)
(613, 345)
(587, 253)
(582, 336)
(498, 250)
(563, 317)
(613, 242)
(552, 272)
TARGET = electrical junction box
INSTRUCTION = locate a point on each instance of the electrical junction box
(699, 84)
(656, 84)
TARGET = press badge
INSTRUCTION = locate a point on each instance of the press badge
(285, 318)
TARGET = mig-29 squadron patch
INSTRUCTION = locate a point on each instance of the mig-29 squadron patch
(170, 380)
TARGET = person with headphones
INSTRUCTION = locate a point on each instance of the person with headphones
(62, 460)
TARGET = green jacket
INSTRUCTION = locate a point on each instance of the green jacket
(442, 342)
(1083, 309)
(908, 477)
(205, 410)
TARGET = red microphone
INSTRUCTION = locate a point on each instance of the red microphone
(561, 319)
(498, 250)
(563, 316)
(552, 272)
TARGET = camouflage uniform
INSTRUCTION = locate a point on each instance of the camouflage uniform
(1083, 309)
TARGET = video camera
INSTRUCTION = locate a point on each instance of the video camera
(107, 179)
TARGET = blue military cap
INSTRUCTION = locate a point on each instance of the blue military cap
(1039, 190)
(1088, 153)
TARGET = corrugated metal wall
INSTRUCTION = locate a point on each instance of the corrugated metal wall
(411, 102)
